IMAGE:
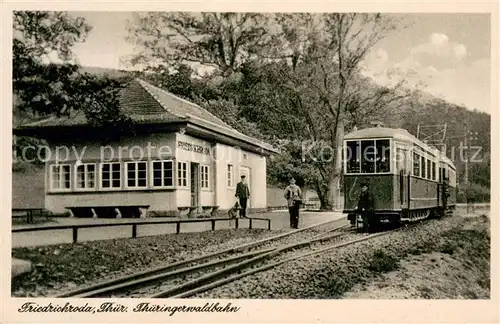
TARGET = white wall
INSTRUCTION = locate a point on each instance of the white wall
(139, 147)
(207, 195)
(257, 183)
(152, 146)
(157, 200)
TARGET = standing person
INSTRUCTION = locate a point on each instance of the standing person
(293, 196)
(366, 206)
(243, 193)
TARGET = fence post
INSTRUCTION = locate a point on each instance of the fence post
(178, 227)
(134, 230)
(250, 223)
(75, 234)
(213, 224)
(236, 223)
(269, 224)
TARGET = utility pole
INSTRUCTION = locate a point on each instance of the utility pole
(466, 145)
(433, 135)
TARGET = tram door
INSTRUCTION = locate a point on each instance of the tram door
(443, 184)
(401, 167)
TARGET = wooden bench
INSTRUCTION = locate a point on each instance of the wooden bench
(206, 210)
(212, 210)
(186, 210)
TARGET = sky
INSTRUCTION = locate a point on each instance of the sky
(448, 54)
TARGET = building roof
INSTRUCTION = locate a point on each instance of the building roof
(145, 103)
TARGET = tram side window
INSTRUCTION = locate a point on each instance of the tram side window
(383, 162)
(416, 165)
(368, 156)
(422, 165)
(400, 160)
(352, 156)
(429, 172)
(433, 170)
(452, 176)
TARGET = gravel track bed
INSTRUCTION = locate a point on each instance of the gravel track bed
(64, 267)
(167, 284)
(329, 275)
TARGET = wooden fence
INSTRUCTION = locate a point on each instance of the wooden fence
(134, 225)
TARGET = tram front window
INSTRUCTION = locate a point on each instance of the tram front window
(383, 156)
(368, 156)
(352, 157)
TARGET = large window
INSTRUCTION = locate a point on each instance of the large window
(434, 171)
(400, 160)
(230, 175)
(368, 156)
(60, 177)
(163, 173)
(429, 169)
(182, 174)
(352, 157)
(383, 158)
(422, 167)
(204, 176)
(136, 174)
(85, 176)
(111, 175)
(416, 164)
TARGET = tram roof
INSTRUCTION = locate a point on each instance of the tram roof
(378, 132)
(395, 133)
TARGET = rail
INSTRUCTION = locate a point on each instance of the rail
(134, 225)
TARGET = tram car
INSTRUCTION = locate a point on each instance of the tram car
(408, 179)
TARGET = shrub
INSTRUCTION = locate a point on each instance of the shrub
(475, 191)
(382, 262)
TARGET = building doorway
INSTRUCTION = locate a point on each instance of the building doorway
(246, 172)
(195, 185)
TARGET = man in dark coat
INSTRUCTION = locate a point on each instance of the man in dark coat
(366, 206)
(243, 193)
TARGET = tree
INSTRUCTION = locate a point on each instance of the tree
(321, 88)
(42, 87)
(301, 81)
(353, 35)
(220, 40)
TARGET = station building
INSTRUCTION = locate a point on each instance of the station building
(180, 160)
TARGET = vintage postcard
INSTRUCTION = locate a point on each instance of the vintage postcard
(305, 162)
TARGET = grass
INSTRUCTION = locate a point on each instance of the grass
(36, 220)
(467, 242)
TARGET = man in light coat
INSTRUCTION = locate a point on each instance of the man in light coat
(293, 196)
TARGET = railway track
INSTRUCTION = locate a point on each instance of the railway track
(272, 264)
(235, 257)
